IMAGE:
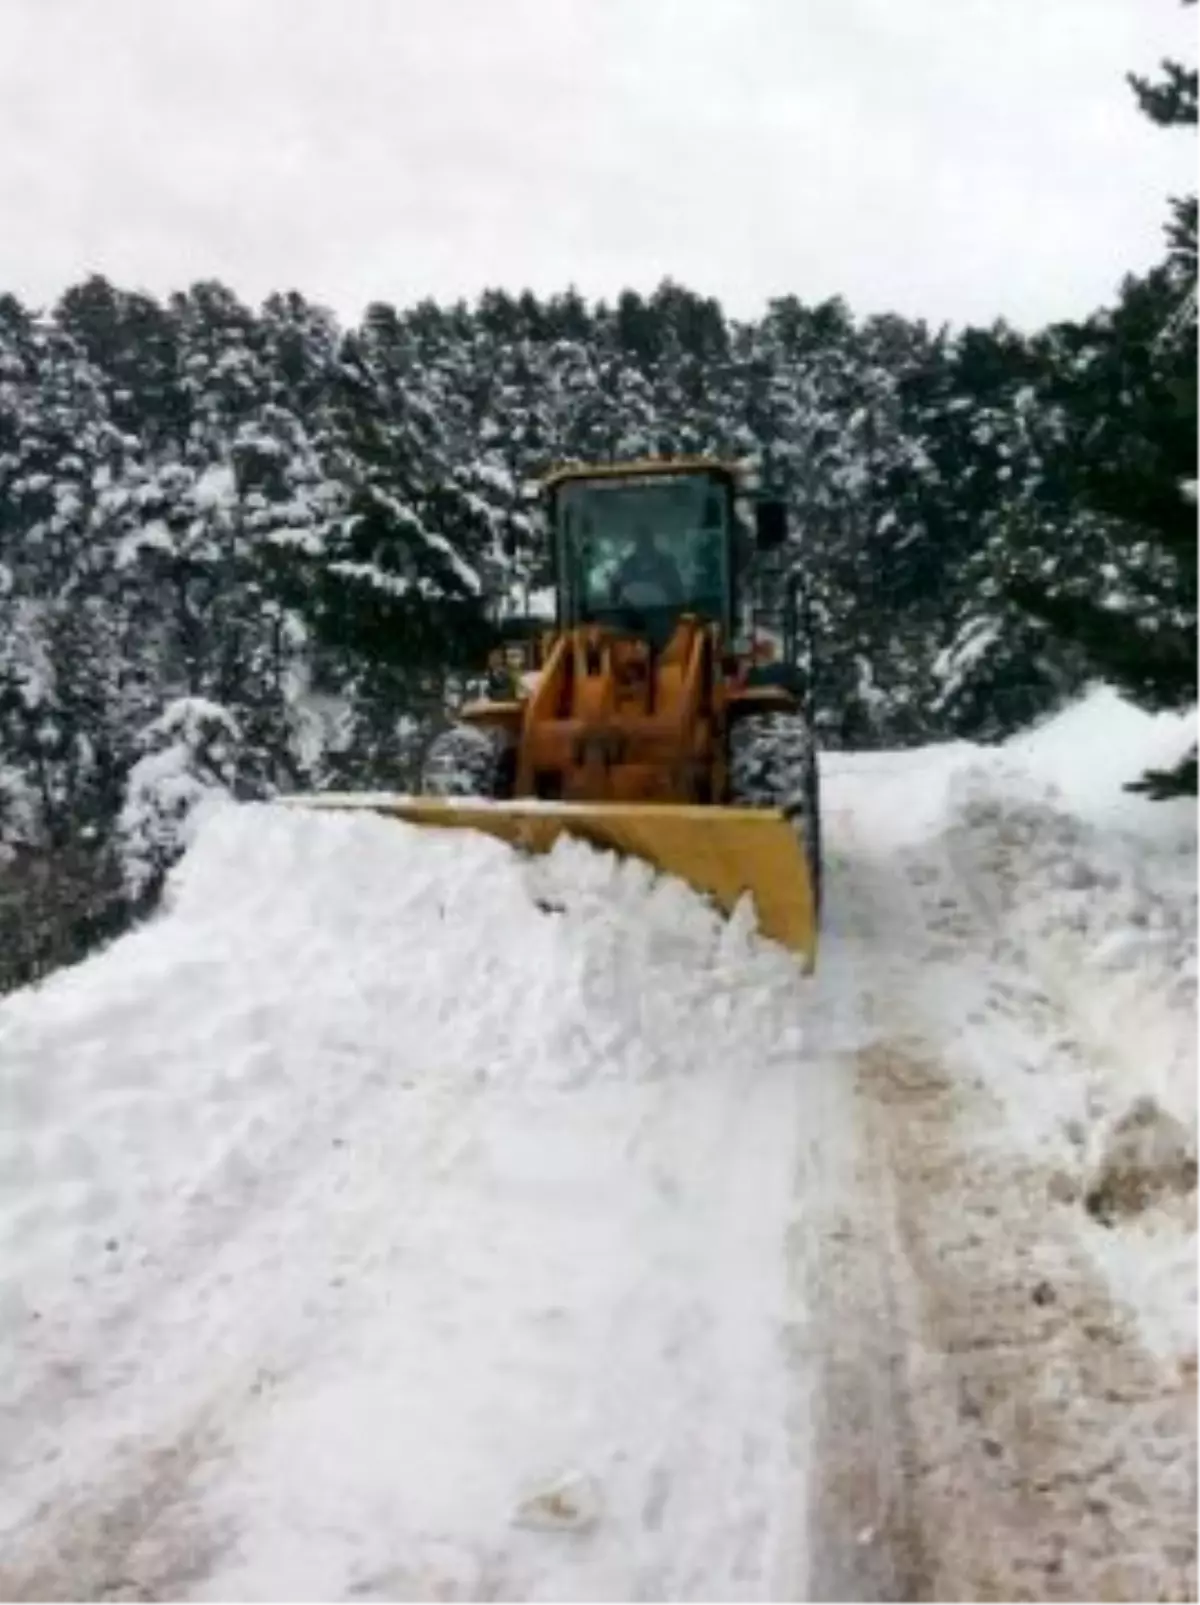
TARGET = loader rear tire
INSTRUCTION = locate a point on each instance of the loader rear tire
(468, 761)
(773, 764)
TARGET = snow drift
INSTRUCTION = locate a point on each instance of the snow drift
(1095, 889)
(478, 1148)
(391, 1216)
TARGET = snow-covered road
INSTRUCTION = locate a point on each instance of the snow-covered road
(393, 1218)
(381, 1187)
(1005, 1412)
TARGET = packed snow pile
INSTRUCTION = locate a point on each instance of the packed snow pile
(297, 948)
(1088, 894)
(393, 1216)
(1097, 886)
(1091, 889)
(476, 1147)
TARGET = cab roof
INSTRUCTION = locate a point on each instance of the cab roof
(641, 466)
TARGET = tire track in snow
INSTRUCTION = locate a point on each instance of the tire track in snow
(719, 1472)
(993, 1427)
(133, 1536)
(72, 1350)
(867, 1543)
(128, 1519)
(620, 1243)
(663, 1383)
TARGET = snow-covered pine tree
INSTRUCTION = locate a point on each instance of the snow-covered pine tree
(63, 730)
(189, 757)
(983, 495)
(60, 672)
(1122, 586)
(1127, 393)
(396, 594)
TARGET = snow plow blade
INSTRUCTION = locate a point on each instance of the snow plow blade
(720, 852)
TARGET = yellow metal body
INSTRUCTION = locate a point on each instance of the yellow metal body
(720, 852)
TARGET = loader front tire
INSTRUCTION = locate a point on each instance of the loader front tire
(773, 764)
(468, 761)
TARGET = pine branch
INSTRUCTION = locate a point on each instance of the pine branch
(1159, 785)
(1172, 101)
(1155, 661)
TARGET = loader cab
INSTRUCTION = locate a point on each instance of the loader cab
(636, 549)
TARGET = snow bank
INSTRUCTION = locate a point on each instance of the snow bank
(1097, 884)
(426, 1180)
(896, 800)
(1094, 888)
(298, 950)
(1088, 893)
(388, 1193)
(1083, 757)
(496, 967)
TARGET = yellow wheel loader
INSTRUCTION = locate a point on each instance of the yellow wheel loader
(641, 720)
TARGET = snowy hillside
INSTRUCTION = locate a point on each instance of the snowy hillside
(392, 1217)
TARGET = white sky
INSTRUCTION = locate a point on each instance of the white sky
(952, 159)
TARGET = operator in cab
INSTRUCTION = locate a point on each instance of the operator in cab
(648, 575)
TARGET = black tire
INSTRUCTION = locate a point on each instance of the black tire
(468, 761)
(773, 764)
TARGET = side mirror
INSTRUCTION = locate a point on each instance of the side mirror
(770, 525)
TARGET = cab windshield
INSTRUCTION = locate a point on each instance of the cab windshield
(634, 549)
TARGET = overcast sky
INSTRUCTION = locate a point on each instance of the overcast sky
(953, 159)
